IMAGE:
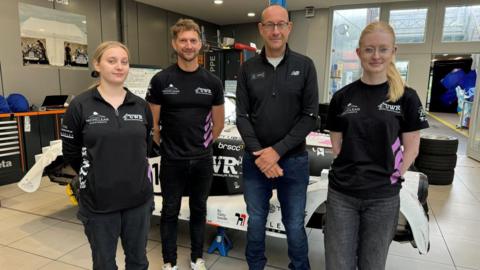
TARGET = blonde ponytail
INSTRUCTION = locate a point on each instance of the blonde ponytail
(395, 83)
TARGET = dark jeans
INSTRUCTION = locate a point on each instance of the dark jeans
(131, 225)
(175, 175)
(291, 192)
(359, 232)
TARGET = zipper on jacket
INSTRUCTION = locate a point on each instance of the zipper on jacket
(274, 93)
(117, 114)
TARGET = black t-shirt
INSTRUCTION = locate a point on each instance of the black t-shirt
(186, 100)
(368, 165)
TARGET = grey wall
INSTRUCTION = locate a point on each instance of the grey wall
(36, 81)
(147, 31)
(309, 37)
(152, 35)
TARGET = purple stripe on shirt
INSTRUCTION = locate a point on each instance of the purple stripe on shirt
(396, 145)
(207, 127)
(208, 136)
(208, 140)
(209, 117)
(150, 173)
(397, 151)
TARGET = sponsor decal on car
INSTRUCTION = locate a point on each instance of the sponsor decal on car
(231, 147)
(274, 208)
(221, 215)
(226, 166)
(319, 151)
(241, 218)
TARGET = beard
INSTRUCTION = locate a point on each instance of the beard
(188, 57)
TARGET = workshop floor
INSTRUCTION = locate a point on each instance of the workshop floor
(40, 231)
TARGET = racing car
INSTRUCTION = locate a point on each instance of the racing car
(226, 207)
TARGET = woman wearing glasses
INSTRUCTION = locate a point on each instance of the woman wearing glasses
(374, 126)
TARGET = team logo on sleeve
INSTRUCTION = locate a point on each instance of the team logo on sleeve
(149, 89)
(389, 107)
(66, 133)
(422, 115)
(351, 109)
(97, 118)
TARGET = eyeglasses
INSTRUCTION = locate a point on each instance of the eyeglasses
(381, 51)
(270, 26)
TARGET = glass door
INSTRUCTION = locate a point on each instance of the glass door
(473, 149)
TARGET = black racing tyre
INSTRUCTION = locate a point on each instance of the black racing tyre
(436, 177)
(436, 162)
(438, 144)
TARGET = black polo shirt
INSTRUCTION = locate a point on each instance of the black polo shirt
(186, 100)
(368, 165)
(108, 149)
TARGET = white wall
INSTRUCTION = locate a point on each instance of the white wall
(309, 37)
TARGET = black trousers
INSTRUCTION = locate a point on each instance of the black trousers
(175, 175)
(131, 225)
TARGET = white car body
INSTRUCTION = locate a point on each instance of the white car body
(229, 211)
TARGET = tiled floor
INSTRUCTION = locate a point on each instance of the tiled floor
(40, 231)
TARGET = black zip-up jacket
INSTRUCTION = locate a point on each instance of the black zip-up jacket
(277, 107)
(108, 149)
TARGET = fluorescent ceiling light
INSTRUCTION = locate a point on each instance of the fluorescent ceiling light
(218, 2)
(251, 14)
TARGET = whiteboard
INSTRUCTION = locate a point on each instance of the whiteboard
(139, 78)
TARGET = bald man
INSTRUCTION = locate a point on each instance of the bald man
(277, 105)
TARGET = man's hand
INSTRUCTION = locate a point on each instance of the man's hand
(274, 172)
(266, 158)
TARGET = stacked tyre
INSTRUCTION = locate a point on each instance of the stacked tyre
(437, 158)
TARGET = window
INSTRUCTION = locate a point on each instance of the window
(402, 67)
(461, 24)
(409, 24)
(346, 29)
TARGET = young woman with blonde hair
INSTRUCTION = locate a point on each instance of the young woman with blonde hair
(105, 134)
(374, 126)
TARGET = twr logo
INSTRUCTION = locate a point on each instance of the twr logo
(242, 218)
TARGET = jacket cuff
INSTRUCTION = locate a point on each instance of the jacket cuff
(280, 148)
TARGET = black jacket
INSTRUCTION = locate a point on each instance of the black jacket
(108, 148)
(277, 107)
